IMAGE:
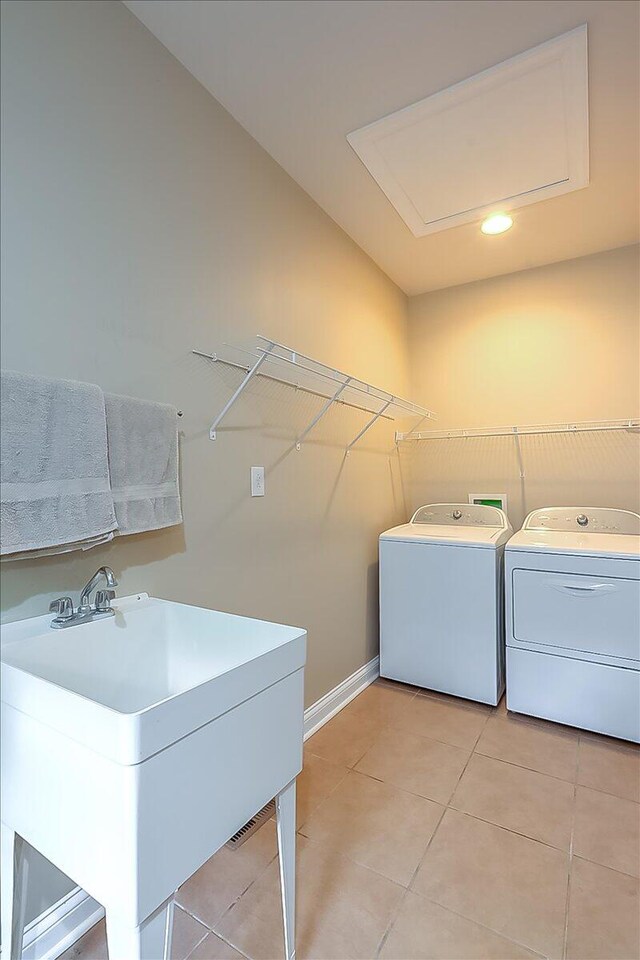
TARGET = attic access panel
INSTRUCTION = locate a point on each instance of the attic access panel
(509, 136)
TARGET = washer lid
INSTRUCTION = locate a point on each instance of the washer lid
(589, 531)
(460, 524)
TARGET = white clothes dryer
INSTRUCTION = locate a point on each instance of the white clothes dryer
(573, 619)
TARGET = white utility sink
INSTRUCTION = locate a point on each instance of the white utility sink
(135, 746)
(132, 684)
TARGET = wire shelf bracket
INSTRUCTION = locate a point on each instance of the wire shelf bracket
(232, 399)
(269, 358)
(322, 412)
(369, 424)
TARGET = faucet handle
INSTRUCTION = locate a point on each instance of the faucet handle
(103, 600)
(63, 606)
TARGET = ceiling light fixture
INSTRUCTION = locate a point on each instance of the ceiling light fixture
(496, 223)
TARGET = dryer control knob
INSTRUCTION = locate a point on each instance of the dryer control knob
(582, 520)
(456, 514)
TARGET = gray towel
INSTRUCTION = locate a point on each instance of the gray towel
(142, 439)
(61, 548)
(55, 492)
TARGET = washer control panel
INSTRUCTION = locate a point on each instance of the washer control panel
(461, 514)
(585, 519)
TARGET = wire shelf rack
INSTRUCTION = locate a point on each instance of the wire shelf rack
(587, 426)
(282, 364)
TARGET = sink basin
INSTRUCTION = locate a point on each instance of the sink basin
(133, 747)
(131, 685)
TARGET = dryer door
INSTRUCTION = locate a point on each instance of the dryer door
(578, 612)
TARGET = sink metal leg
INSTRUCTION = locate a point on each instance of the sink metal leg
(286, 823)
(14, 868)
(149, 941)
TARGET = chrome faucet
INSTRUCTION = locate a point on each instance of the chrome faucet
(85, 596)
(85, 613)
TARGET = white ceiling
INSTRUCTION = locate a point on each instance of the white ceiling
(300, 75)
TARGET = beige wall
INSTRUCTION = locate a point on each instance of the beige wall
(544, 345)
(141, 221)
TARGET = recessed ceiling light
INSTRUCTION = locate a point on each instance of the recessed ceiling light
(496, 223)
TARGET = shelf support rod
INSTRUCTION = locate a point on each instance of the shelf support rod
(232, 399)
(322, 412)
(369, 424)
(516, 438)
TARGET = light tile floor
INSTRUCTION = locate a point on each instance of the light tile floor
(430, 827)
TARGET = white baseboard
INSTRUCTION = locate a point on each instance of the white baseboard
(326, 707)
(59, 927)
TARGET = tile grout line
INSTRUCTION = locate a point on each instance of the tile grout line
(227, 909)
(194, 917)
(570, 865)
(448, 806)
(591, 736)
(391, 924)
(464, 769)
(579, 738)
(299, 831)
(477, 740)
(479, 923)
(447, 697)
(607, 739)
(552, 726)
(384, 725)
(517, 833)
(582, 786)
(347, 770)
(474, 751)
(542, 773)
(525, 836)
(386, 783)
(605, 866)
(195, 946)
(396, 726)
(605, 793)
(408, 889)
(229, 944)
(424, 736)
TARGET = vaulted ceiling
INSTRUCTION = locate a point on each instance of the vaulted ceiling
(300, 75)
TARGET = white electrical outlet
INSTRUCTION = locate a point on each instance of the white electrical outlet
(257, 481)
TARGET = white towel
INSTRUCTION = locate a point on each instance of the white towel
(142, 439)
(55, 492)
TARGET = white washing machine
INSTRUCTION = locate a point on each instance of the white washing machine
(441, 598)
(573, 619)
